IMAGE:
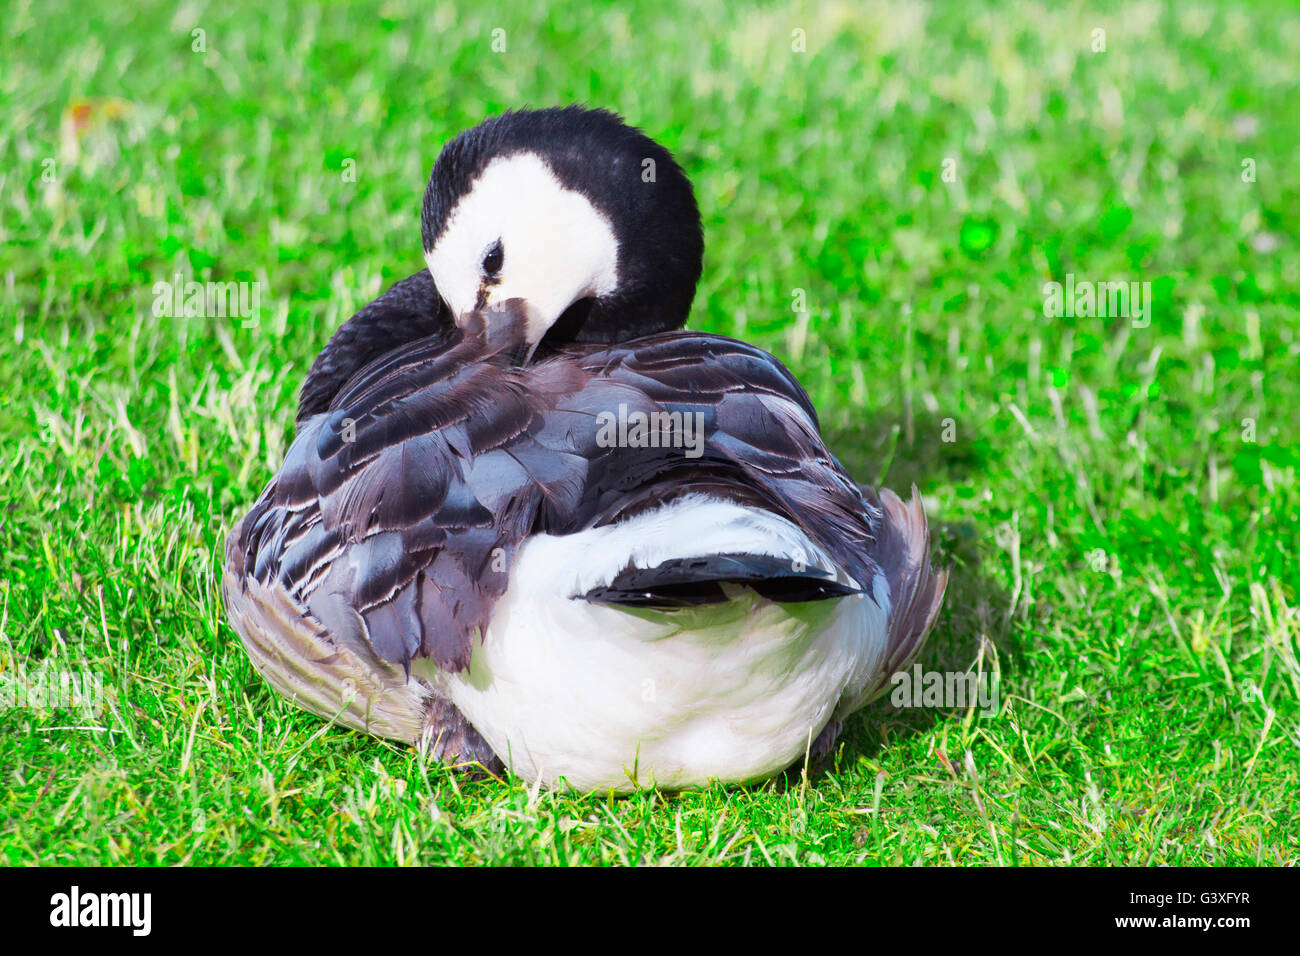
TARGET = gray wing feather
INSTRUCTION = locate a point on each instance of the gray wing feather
(399, 509)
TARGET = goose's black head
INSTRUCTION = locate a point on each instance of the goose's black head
(585, 219)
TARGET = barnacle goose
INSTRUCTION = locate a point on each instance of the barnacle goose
(526, 523)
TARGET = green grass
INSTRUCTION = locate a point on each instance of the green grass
(1119, 551)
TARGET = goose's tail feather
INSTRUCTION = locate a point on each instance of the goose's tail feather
(689, 582)
(916, 590)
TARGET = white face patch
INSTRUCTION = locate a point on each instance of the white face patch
(557, 247)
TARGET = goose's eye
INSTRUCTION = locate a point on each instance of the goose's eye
(492, 261)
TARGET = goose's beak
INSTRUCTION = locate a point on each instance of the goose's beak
(510, 328)
(522, 320)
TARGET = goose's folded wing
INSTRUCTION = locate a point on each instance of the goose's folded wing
(761, 441)
(763, 445)
(396, 513)
(410, 310)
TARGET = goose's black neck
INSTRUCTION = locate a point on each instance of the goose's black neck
(410, 310)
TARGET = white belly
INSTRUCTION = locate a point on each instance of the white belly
(604, 697)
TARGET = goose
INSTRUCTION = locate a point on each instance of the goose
(529, 524)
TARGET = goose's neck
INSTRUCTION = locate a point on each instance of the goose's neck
(409, 311)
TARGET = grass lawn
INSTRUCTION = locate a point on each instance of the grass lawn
(1116, 497)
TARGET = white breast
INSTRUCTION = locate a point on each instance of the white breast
(604, 697)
